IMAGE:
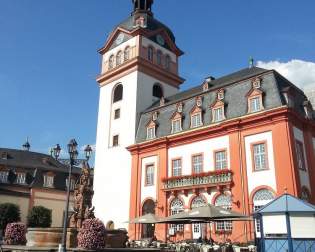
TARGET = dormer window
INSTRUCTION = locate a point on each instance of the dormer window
(255, 104)
(218, 114)
(150, 132)
(20, 178)
(111, 62)
(159, 57)
(118, 58)
(48, 181)
(177, 125)
(150, 53)
(196, 120)
(4, 176)
(254, 96)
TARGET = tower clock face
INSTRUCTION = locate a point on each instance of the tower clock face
(120, 39)
(160, 40)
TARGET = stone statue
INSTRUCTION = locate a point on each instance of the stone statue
(83, 194)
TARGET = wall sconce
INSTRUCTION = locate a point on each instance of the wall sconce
(156, 204)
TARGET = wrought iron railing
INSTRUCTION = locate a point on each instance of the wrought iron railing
(207, 179)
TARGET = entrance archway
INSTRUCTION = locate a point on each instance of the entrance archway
(148, 229)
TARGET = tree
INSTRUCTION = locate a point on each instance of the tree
(39, 216)
(8, 213)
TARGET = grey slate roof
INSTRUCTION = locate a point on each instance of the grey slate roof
(236, 86)
(36, 165)
(152, 25)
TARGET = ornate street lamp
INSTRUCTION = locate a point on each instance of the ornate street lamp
(88, 152)
(73, 154)
(56, 151)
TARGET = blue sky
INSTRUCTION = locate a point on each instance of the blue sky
(49, 60)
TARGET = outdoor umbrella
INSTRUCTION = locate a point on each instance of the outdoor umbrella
(145, 219)
(206, 213)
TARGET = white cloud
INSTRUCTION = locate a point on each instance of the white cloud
(299, 72)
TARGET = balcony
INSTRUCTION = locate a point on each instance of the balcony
(201, 180)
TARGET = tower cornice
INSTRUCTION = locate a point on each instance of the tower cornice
(142, 65)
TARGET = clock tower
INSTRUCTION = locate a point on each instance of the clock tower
(139, 67)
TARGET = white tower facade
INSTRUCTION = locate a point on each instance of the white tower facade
(139, 67)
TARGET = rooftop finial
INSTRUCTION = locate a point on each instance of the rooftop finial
(251, 62)
(142, 6)
(26, 146)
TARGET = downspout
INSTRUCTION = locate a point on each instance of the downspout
(242, 179)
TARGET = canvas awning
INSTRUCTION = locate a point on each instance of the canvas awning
(145, 219)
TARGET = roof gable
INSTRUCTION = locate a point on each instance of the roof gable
(287, 203)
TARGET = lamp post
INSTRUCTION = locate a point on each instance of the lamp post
(56, 151)
(88, 152)
(73, 154)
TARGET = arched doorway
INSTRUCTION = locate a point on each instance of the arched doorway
(148, 229)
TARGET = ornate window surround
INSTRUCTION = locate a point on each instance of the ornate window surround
(254, 93)
(196, 111)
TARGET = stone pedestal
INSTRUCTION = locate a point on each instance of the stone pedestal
(50, 237)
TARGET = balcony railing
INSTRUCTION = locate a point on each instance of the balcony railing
(210, 179)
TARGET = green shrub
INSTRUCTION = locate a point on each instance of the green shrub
(8, 213)
(39, 216)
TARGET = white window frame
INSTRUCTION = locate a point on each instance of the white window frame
(218, 114)
(48, 181)
(150, 133)
(4, 176)
(176, 125)
(196, 120)
(260, 158)
(197, 163)
(220, 160)
(177, 206)
(255, 104)
(177, 167)
(149, 175)
(225, 202)
(20, 178)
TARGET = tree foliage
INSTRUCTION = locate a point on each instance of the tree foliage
(39, 216)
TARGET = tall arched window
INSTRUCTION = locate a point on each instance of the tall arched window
(261, 198)
(167, 62)
(176, 207)
(224, 201)
(118, 58)
(127, 53)
(150, 53)
(118, 93)
(111, 62)
(157, 91)
(159, 57)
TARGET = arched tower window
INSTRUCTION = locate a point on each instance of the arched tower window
(157, 91)
(111, 62)
(159, 57)
(127, 53)
(150, 53)
(118, 93)
(118, 58)
(167, 62)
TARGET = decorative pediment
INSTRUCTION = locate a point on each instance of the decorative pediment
(176, 116)
(155, 115)
(256, 83)
(217, 103)
(220, 94)
(254, 92)
(151, 124)
(196, 110)
(116, 38)
(199, 101)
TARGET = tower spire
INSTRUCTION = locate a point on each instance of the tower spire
(142, 6)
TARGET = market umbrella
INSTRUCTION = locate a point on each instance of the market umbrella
(206, 213)
(145, 219)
